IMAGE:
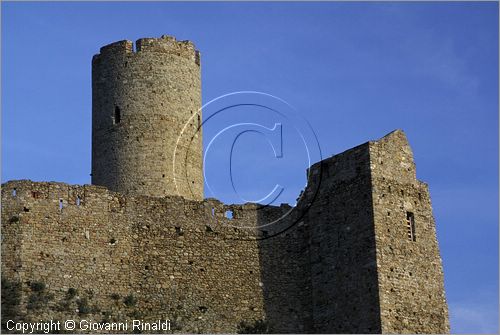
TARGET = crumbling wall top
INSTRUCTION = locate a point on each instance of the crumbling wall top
(391, 157)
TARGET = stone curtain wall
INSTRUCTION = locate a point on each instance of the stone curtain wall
(172, 257)
(343, 265)
(141, 100)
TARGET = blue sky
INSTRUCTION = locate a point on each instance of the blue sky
(355, 71)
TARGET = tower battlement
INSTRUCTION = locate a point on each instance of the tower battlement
(165, 44)
(117, 48)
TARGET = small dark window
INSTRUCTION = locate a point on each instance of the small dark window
(60, 204)
(178, 231)
(14, 192)
(410, 224)
(118, 115)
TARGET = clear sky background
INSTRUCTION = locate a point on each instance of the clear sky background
(355, 71)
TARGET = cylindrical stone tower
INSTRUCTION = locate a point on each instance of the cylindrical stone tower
(146, 118)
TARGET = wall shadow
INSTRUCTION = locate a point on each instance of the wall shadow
(320, 276)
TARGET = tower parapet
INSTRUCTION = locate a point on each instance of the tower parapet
(141, 101)
(165, 44)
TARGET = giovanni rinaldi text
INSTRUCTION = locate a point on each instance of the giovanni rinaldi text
(86, 325)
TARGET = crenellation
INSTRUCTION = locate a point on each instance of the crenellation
(168, 44)
(119, 47)
(144, 46)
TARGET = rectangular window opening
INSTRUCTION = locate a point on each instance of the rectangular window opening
(410, 223)
(118, 115)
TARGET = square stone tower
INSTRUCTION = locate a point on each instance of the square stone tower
(375, 262)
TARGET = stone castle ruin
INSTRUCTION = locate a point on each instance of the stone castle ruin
(358, 254)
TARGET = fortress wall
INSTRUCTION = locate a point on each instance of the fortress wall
(286, 277)
(343, 264)
(205, 275)
(410, 272)
(174, 257)
(67, 248)
(11, 230)
(341, 261)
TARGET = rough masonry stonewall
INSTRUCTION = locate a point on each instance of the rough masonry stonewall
(358, 253)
